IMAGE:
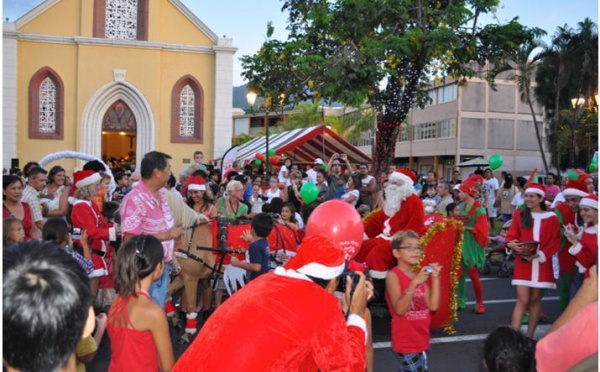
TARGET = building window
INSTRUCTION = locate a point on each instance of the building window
(46, 97)
(47, 120)
(121, 19)
(447, 94)
(404, 136)
(187, 115)
(186, 112)
(447, 128)
(425, 131)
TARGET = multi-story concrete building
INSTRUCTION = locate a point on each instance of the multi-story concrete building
(463, 123)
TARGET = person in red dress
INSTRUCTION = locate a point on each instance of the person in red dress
(532, 227)
(584, 245)
(568, 215)
(12, 206)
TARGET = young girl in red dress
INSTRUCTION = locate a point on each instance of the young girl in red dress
(534, 235)
(410, 301)
(137, 326)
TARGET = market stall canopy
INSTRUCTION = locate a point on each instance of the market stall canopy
(477, 162)
(303, 145)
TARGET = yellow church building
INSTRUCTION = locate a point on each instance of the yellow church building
(111, 77)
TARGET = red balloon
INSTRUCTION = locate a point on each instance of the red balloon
(274, 159)
(340, 222)
(259, 156)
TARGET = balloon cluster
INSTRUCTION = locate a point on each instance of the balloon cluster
(260, 158)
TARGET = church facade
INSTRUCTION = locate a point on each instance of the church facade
(79, 73)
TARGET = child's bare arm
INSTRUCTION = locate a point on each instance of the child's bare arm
(162, 339)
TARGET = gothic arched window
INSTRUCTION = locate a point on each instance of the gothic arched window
(46, 105)
(187, 114)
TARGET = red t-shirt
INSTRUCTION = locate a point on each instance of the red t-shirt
(410, 332)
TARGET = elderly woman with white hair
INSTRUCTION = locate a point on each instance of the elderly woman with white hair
(86, 216)
(231, 206)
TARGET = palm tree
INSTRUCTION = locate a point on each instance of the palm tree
(524, 66)
(309, 114)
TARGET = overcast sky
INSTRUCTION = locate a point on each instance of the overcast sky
(245, 21)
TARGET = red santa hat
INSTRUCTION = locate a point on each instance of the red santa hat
(318, 257)
(85, 178)
(535, 188)
(577, 187)
(468, 186)
(196, 183)
(403, 175)
(590, 200)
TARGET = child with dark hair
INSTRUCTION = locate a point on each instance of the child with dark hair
(453, 210)
(46, 308)
(56, 230)
(123, 186)
(288, 216)
(137, 326)
(13, 232)
(507, 350)
(261, 227)
(110, 211)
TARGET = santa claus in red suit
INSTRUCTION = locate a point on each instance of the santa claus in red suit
(584, 246)
(402, 210)
(287, 320)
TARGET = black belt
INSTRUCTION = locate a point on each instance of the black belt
(98, 252)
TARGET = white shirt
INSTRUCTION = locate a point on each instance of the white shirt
(491, 186)
(347, 195)
(283, 179)
(312, 176)
(517, 199)
(270, 194)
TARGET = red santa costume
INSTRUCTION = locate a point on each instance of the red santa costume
(586, 251)
(85, 215)
(545, 230)
(283, 321)
(402, 210)
(567, 217)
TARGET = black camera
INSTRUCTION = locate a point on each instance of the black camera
(354, 278)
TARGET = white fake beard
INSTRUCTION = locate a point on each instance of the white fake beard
(394, 195)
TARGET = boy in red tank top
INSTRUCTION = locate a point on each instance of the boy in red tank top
(410, 301)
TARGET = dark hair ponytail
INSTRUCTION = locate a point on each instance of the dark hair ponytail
(136, 260)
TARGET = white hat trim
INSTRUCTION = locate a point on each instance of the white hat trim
(534, 190)
(321, 271)
(401, 177)
(574, 192)
(196, 187)
(586, 202)
(88, 180)
(318, 161)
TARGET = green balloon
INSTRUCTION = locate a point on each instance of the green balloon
(324, 166)
(572, 174)
(495, 161)
(593, 167)
(271, 152)
(257, 163)
(309, 193)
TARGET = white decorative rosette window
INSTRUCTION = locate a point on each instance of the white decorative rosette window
(121, 19)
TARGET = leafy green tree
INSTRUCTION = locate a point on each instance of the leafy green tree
(380, 52)
(523, 63)
(568, 70)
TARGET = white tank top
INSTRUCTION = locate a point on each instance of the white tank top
(272, 194)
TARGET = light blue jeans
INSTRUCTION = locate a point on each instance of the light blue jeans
(158, 289)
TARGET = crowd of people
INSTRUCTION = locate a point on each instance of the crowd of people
(121, 237)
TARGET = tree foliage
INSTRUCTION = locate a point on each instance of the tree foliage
(383, 52)
(568, 69)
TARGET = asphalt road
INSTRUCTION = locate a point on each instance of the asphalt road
(459, 352)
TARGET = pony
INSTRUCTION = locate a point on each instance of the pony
(204, 252)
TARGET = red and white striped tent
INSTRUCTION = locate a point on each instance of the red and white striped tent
(303, 145)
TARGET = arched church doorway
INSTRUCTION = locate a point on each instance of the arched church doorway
(119, 135)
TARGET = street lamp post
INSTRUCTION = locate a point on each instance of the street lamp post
(251, 98)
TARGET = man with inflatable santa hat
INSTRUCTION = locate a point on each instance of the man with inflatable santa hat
(402, 210)
(287, 320)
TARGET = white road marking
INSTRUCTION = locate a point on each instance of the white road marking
(550, 298)
(540, 331)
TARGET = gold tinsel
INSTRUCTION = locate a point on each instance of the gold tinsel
(454, 270)
(370, 214)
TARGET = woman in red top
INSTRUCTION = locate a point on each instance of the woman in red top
(12, 205)
(410, 301)
(540, 229)
(137, 326)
